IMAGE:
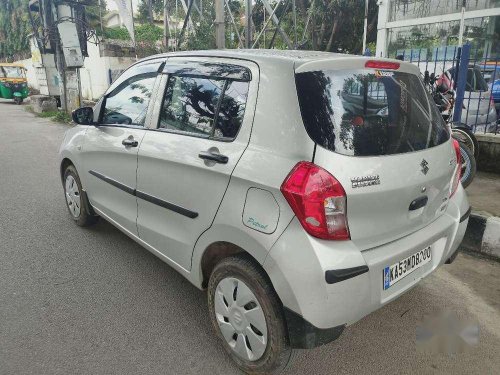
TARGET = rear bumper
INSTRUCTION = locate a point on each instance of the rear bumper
(299, 266)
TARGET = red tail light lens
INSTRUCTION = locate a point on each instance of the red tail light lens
(457, 175)
(318, 200)
(382, 64)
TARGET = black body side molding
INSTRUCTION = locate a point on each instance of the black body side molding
(147, 197)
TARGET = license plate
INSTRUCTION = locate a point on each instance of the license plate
(392, 274)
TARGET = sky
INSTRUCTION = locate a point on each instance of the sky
(111, 5)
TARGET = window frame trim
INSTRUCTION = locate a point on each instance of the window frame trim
(150, 106)
(216, 112)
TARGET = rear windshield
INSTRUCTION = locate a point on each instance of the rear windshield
(369, 112)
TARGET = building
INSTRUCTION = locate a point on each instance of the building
(428, 28)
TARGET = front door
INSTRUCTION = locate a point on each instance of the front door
(185, 165)
(110, 149)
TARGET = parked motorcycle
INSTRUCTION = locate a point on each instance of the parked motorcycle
(441, 89)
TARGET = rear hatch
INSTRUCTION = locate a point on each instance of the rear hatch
(379, 133)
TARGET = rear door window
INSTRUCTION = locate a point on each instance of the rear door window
(369, 113)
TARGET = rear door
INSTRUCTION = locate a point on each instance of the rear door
(201, 128)
(109, 153)
(380, 135)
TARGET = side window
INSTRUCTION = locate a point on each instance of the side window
(127, 100)
(190, 104)
(232, 109)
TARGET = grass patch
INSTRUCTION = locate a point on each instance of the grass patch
(57, 116)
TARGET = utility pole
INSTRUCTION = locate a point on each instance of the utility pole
(220, 32)
(462, 25)
(365, 27)
(248, 26)
(166, 27)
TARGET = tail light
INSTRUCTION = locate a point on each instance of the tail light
(318, 200)
(457, 175)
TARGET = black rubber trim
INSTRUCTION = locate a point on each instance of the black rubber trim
(304, 335)
(167, 205)
(147, 197)
(115, 183)
(335, 276)
(466, 215)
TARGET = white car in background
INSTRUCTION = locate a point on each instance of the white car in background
(274, 180)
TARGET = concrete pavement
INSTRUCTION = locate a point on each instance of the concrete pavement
(91, 301)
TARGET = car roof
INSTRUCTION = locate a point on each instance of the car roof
(259, 55)
(270, 56)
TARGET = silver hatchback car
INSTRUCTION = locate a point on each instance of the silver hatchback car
(303, 190)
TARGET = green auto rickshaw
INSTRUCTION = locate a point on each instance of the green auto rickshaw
(13, 82)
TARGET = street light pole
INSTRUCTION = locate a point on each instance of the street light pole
(365, 27)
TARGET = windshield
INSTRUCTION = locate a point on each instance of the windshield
(11, 72)
(369, 113)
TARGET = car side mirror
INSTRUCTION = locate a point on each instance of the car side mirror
(83, 116)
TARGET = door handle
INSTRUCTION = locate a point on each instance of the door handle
(130, 142)
(213, 156)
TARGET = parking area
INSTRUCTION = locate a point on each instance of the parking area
(91, 301)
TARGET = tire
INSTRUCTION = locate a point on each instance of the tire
(18, 100)
(78, 208)
(468, 138)
(236, 276)
(468, 165)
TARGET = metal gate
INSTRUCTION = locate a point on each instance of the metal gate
(476, 80)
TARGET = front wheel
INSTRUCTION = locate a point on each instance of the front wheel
(18, 100)
(468, 165)
(247, 316)
(77, 207)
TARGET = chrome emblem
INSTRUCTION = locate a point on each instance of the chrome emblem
(424, 164)
(365, 181)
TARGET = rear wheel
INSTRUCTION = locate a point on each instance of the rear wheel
(247, 316)
(468, 165)
(468, 138)
(77, 207)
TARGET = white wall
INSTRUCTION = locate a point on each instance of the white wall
(30, 73)
(94, 75)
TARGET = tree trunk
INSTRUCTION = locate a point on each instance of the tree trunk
(150, 11)
(321, 34)
(334, 31)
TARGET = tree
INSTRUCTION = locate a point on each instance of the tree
(14, 28)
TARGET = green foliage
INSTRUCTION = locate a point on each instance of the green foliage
(120, 33)
(14, 28)
(148, 33)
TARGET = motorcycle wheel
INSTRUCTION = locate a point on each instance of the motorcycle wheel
(468, 139)
(468, 165)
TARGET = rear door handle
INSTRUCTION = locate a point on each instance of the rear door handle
(213, 156)
(130, 142)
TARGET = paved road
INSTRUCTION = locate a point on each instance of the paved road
(91, 301)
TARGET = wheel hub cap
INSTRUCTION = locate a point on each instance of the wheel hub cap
(73, 198)
(240, 319)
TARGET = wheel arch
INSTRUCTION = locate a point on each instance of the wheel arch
(65, 163)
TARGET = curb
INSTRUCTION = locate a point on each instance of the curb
(483, 234)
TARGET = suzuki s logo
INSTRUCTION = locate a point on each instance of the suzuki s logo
(424, 164)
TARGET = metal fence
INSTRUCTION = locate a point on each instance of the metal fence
(476, 79)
